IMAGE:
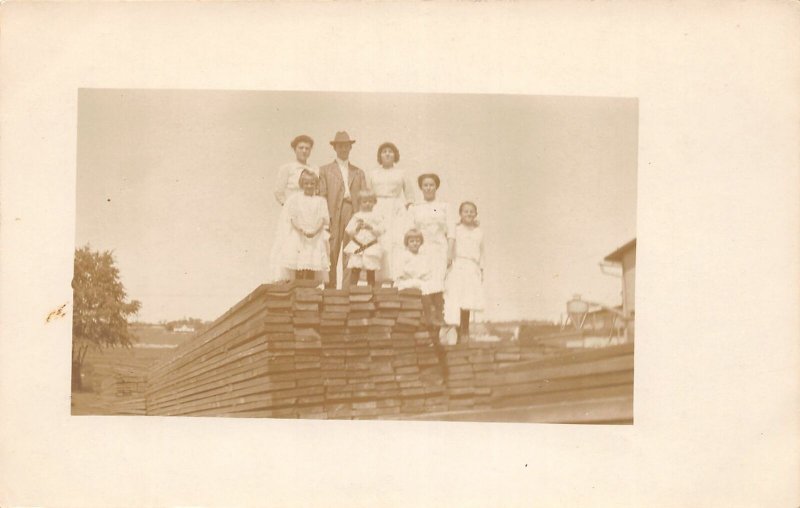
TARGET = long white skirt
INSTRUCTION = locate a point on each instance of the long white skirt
(463, 290)
(436, 260)
(303, 253)
(396, 221)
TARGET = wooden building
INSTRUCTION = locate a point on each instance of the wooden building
(626, 257)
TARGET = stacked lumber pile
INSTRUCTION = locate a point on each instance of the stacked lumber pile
(220, 368)
(468, 365)
(464, 363)
(295, 351)
(290, 350)
(369, 376)
(383, 362)
(575, 377)
(577, 386)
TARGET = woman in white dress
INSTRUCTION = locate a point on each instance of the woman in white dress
(286, 186)
(395, 194)
(432, 218)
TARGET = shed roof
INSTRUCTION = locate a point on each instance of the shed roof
(616, 256)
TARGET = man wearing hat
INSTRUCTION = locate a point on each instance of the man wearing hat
(340, 183)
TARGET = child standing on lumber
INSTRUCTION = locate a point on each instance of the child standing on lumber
(306, 249)
(411, 268)
(363, 251)
(464, 282)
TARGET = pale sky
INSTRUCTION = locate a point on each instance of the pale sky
(179, 185)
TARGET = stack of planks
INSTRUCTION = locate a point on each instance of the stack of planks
(585, 386)
(290, 350)
(464, 363)
(578, 386)
(223, 367)
(295, 351)
(368, 375)
(468, 365)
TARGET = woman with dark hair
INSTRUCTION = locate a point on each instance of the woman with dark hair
(286, 186)
(395, 193)
(289, 173)
(432, 218)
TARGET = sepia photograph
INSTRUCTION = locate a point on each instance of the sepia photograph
(371, 254)
(458, 257)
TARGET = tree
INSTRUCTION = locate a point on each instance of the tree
(99, 311)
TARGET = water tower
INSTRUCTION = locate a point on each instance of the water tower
(577, 310)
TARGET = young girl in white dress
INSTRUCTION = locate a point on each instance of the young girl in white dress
(306, 248)
(364, 251)
(463, 291)
(411, 268)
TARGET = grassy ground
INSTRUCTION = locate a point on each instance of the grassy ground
(154, 343)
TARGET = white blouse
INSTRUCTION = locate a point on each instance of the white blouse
(411, 270)
(365, 236)
(390, 183)
(308, 212)
(433, 220)
(287, 182)
(469, 244)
